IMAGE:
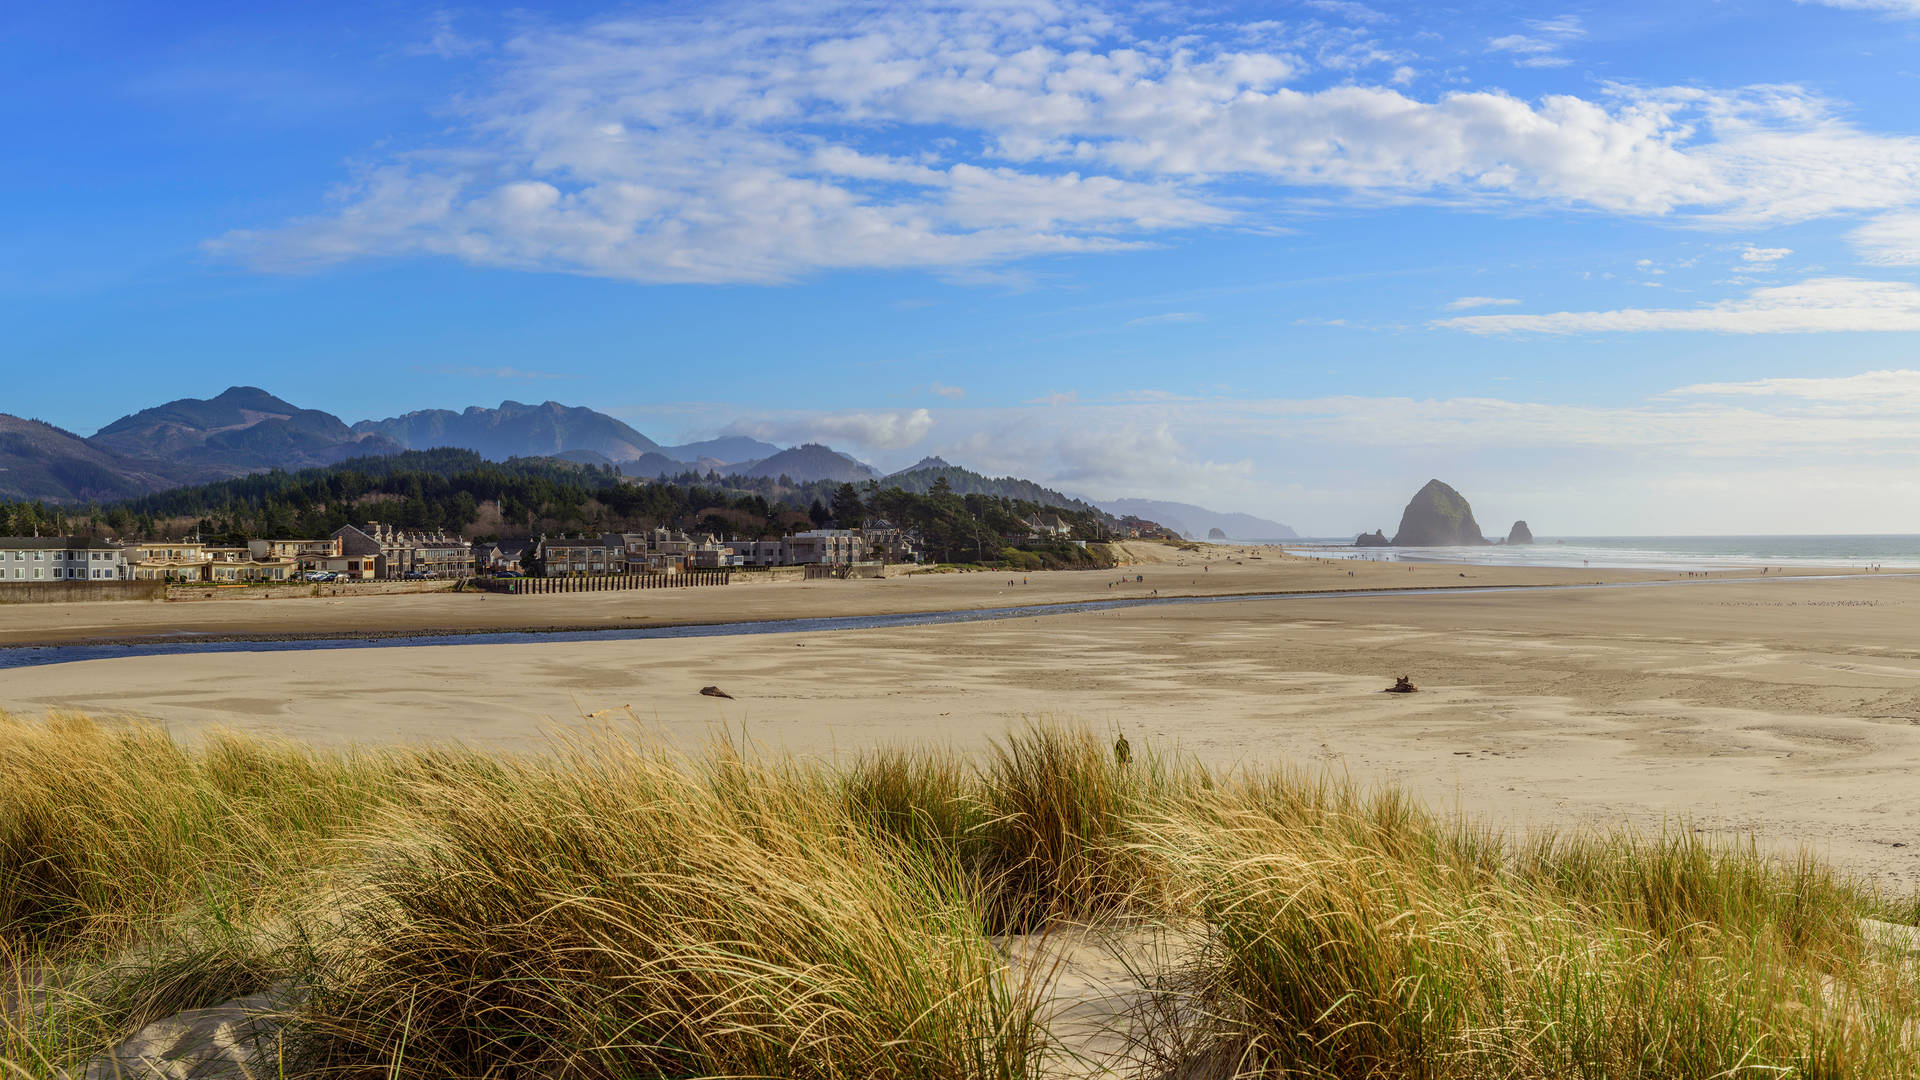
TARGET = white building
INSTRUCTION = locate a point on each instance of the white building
(25, 559)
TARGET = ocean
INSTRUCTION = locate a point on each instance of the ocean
(1647, 552)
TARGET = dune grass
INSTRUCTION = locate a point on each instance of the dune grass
(611, 908)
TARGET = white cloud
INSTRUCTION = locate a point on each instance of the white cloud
(1753, 456)
(763, 143)
(1764, 256)
(1067, 397)
(1347, 9)
(1889, 240)
(470, 371)
(945, 391)
(1466, 302)
(1816, 305)
(1540, 46)
(1894, 389)
(863, 430)
(1909, 8)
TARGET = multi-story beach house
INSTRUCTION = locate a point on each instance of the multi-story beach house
(303, 554)
(386, 552)
(825, 546)
(758, 552)
(159, 560)
(25, 559)
(240, 566)
(564, 556)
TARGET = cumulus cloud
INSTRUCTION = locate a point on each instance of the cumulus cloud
(1817, 305)
(1466, 302)
(768, 142)
(1889, 240)
(864, 430)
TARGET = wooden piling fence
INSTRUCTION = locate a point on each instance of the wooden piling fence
(533, 586)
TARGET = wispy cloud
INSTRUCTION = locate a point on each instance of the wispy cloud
(864, 430)
(720, 145)
(945, 391)
(1893, 388)
(1903, 8)
(1466, 302)
(1540, 46)
(1764, 256)
(1817, 305)
(472, 371)
(1169, 317)
(1889, 240)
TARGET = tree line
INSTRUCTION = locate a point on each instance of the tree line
(458, 491)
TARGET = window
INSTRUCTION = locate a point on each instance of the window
(37, 573)
(38, 555)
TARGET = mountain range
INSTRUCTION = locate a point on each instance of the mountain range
(1190, 520)
(246, 429)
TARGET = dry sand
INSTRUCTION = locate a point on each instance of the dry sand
(1786, 708)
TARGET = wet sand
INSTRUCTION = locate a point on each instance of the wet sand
(1786, 708)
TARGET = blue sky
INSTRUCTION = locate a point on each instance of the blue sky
(1624, 268)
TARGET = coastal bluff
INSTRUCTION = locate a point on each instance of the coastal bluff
(1438, 516)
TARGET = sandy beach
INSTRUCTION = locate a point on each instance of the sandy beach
(1785, 708)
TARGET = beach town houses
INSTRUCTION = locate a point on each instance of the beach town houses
(564, 556)
(382, 551)
(825, 546)
(758, 552)
(505, 555)
(240, 566)
(184, 560)
(1048, 527)
(303, 554)
(25, 559)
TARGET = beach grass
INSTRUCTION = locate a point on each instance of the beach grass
(612, 907)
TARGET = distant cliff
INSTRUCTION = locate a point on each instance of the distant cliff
(1520, 534)
(1438, 516)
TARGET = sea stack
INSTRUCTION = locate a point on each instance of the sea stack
(1438, 517)
(1216, 534)
(1520, 534)
(1376, 538)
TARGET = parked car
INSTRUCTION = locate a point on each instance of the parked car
(321, 575)
(416, 575)
(506, 573)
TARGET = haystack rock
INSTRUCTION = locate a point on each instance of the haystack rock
(1216, 534)
(1376, 538)
(1437, 517)
(1520, 534)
